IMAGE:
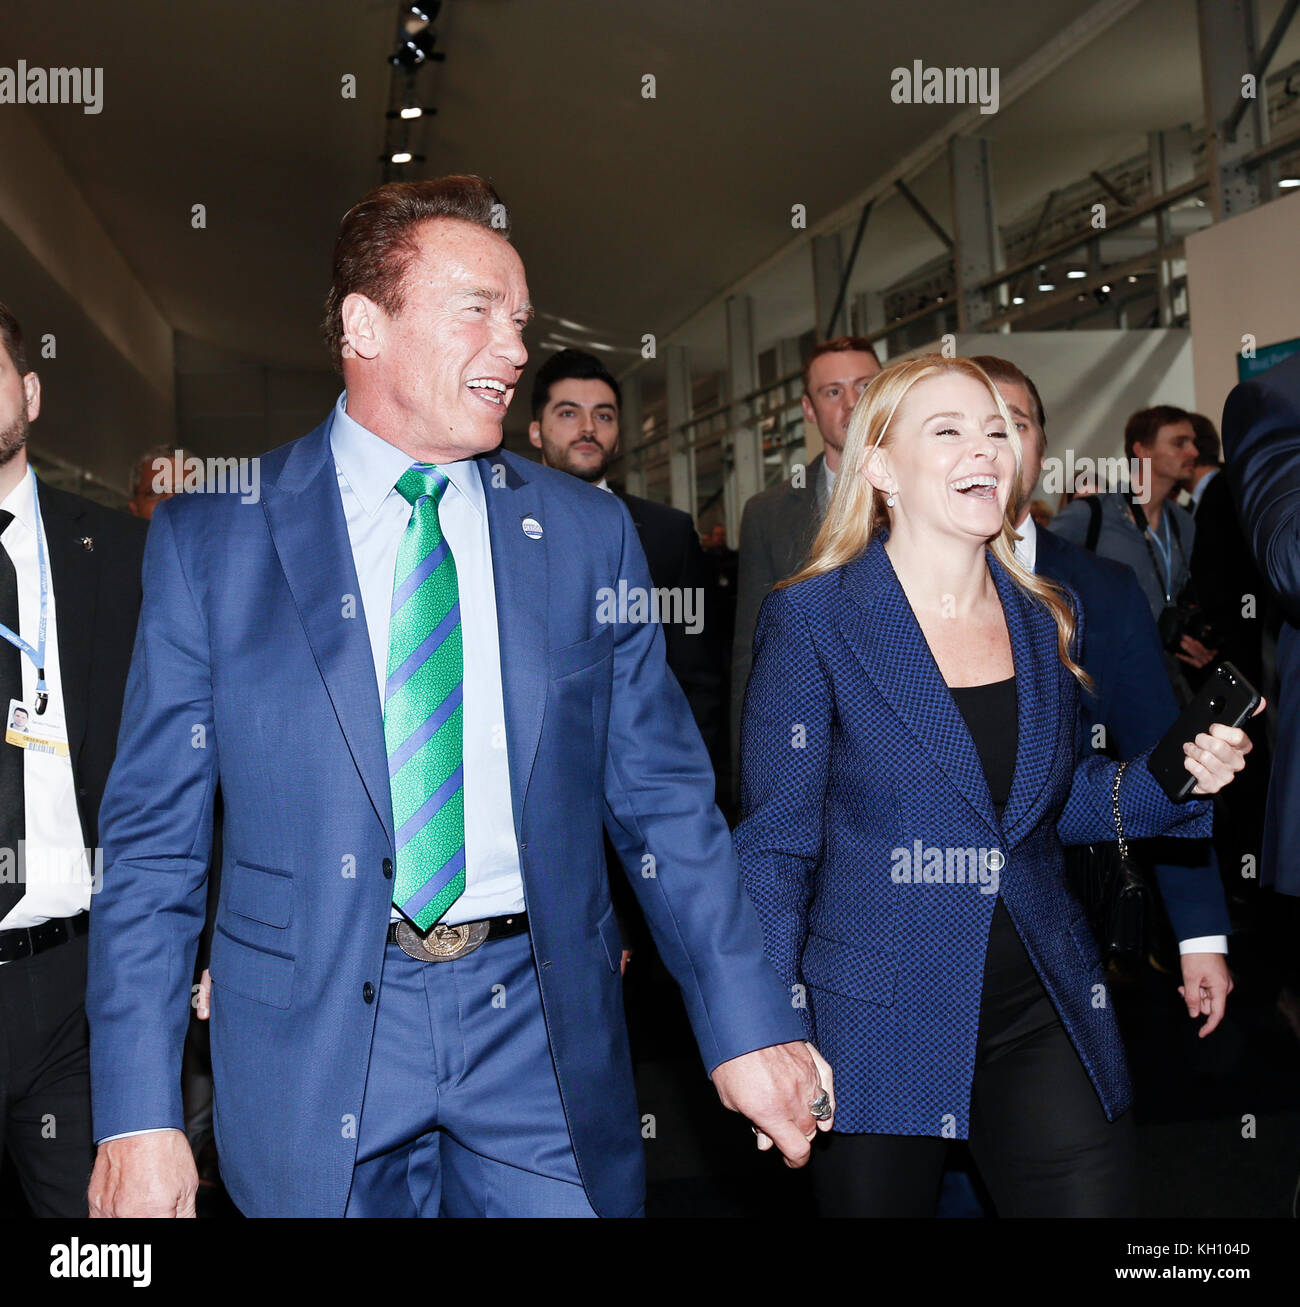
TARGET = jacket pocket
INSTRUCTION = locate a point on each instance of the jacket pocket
(260, 893)
(586, 653)
(867, 975)
(245, 969)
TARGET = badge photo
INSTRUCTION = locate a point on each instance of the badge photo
(26, 730)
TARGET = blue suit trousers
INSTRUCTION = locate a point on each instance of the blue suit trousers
(462, 1113)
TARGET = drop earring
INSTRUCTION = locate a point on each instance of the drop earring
(890, 500)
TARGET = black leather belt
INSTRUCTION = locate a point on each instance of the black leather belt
(446, 943)
(27, 941)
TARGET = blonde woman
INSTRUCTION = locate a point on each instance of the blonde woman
(911, 765)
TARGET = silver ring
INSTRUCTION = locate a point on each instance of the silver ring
(820, 1107)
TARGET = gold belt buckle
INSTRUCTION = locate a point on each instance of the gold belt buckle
(443, 943)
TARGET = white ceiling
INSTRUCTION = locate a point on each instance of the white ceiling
(631, 213)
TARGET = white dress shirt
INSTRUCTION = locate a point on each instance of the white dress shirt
(1195, 495)
(57, 867)
(368, 468)
(1027, 555)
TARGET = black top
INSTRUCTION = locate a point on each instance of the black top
(991, 718)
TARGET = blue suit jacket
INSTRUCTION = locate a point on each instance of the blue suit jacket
(854, 751)
(1261, 444)
(1133, 700)
(251, 670)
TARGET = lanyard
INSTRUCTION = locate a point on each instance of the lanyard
(1166, 554)
(37, 654)
(1170, 528)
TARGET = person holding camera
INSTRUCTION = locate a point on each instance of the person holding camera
(1146, 529)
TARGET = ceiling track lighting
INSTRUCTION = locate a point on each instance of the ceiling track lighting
(415, 46)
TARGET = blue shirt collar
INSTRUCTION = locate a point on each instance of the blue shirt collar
(371, 465)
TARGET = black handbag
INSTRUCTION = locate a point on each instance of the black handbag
(1111, 889)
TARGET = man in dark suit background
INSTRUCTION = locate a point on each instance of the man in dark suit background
(576, 405)
(1261, 438)
(1132, 700)
(778, 525)
(1227, 583)
(50, 800)
(1236, 602)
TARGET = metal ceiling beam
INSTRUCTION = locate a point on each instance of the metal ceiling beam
(923, 213)
(1260, 67)
(1045, 61)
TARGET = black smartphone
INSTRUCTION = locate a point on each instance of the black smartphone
(1226, 697)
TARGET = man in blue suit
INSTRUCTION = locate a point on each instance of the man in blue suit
(1261, 444)
(408, 670)
(1131, 701)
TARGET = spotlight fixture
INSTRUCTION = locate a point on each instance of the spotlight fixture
(1076, 274)
(415, 35)
(414, 50)
(1288, 183)
(411, 111)
(1046, 285)
(1017, 299)
(1132, 277)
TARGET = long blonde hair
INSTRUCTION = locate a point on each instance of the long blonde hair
(858, 511)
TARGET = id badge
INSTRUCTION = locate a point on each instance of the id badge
(26, 730)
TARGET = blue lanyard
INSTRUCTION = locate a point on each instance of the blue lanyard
(37, 654)
(1166, 552)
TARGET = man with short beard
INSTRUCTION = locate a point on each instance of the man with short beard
(85, 561)
(576, 409)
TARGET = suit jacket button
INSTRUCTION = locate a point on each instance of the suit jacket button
(368, 992)
(388, 868)
(994, 860)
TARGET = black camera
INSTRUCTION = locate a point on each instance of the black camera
(1185, 617)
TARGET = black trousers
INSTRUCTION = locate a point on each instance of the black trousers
(45, 1077)
(1037, 1132)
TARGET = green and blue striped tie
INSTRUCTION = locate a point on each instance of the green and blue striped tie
(423, 712)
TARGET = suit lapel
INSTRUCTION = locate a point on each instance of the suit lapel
(305, 517)
(805, 515)
(883, 632)
(520, 578)
(74, 576)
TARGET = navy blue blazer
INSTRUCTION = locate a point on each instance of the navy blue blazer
(871, 848)
(1261, 446)
(1133, 700)
(251, 669)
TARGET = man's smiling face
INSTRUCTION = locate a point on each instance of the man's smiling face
(449, 359)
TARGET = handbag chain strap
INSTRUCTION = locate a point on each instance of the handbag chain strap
(1114, 807)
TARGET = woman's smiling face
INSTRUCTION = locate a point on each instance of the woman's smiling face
(950, 464)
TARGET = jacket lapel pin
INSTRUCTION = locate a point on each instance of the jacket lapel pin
(532, 528)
